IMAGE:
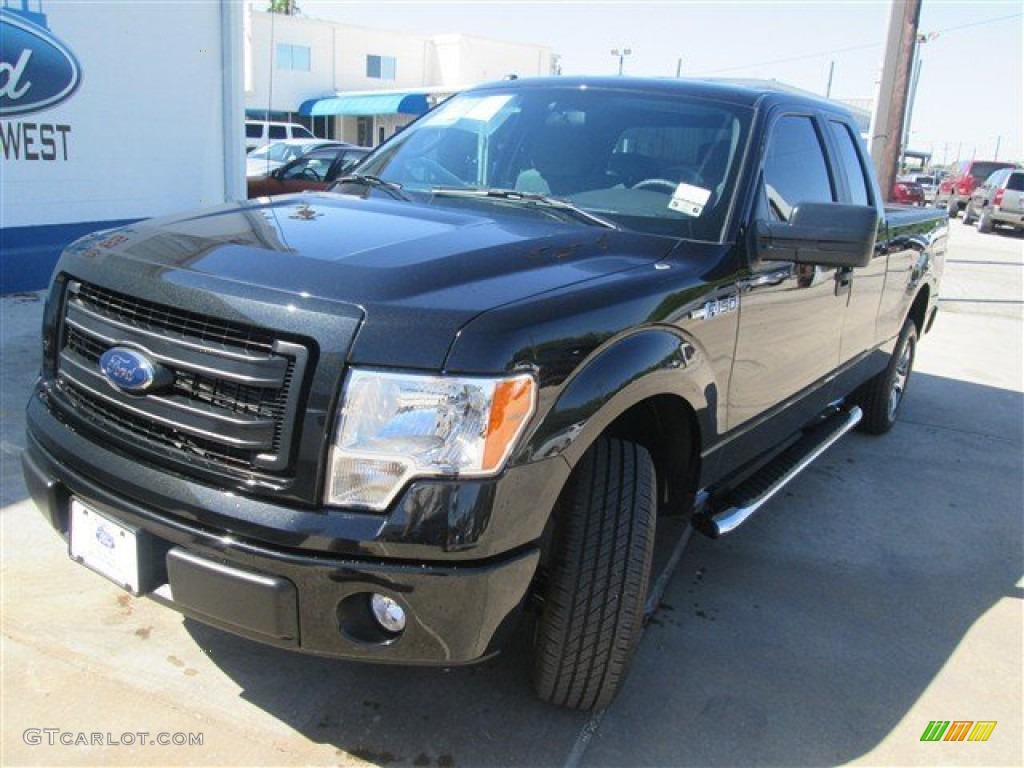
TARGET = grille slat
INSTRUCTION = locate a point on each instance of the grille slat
(213, 364)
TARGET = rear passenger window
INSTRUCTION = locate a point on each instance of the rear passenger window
(794, 168)
(1015, 182)
(852, 165)
(277, 132)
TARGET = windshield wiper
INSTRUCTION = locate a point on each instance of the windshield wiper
(393, 188)
(528, 198)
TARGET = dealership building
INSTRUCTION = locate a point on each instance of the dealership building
(362, 85)
(115, 112)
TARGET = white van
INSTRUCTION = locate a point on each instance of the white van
(260, 132)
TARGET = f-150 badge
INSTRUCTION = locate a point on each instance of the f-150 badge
(716, 307)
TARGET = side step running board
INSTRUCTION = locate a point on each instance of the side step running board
(744, 500)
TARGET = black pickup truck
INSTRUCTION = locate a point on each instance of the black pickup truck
(386, 421)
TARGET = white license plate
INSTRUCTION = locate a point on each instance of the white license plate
(109, 548)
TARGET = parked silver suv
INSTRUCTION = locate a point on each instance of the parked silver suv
(998, 201)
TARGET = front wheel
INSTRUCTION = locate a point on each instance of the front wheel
(882, 395)
(593, 604)
(952, 208)
(968, 218)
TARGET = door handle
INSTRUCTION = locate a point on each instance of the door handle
(775, 277)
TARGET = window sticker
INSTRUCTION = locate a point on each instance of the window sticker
(689, 200)
(488, 107)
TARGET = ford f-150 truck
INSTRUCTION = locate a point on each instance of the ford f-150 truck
(386, 421)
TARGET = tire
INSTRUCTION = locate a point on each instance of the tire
(952, 208)
(882, 395)
(985, 223)
(593, 603)
(968, 219)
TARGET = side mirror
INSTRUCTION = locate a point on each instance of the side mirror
(827, 234)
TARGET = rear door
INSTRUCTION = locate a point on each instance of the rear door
(863, 286)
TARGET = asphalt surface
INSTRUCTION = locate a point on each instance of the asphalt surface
(880, 591)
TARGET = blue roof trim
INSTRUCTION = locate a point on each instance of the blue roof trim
(366, 104)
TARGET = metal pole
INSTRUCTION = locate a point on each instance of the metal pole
(831, 71)
(910, 100)
(679, 67)
(999, 140)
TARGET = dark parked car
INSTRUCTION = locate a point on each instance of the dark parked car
(956, 189)
(271, 156)
(929, 185)
(907, 192)
(316, 170)
(389, 422)
(998, 202)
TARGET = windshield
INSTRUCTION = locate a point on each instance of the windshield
(661, 164)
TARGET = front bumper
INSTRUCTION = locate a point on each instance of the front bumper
(285, 596)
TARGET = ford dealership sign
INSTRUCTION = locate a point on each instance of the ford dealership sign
(37, 71)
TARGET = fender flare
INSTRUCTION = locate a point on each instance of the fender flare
(626, 371)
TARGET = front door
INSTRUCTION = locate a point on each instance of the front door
(791, 315)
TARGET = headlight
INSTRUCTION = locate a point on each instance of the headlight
(395, 426)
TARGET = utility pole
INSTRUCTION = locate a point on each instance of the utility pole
(622, 53)
(891, 107)
(999, 140)
(828, 88)
(679, 67)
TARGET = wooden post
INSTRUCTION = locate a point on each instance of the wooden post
(890, 111)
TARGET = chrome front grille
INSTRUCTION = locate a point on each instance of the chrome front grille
(232, 397)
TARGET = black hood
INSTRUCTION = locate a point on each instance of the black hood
(417, 272)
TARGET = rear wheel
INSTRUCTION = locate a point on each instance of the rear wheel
(881, 396)
(985, 223)
(968, 218)
(952, 208)
(593, 603)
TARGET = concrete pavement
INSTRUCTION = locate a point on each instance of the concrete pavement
(879, 592)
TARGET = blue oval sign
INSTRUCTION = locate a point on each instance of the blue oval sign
(127, 369)
(37, 71)
(104, 537)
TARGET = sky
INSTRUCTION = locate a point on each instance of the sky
(969, 99)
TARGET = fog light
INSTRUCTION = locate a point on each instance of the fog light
(388, 613)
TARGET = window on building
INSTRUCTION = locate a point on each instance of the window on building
(381, 67)
(295, 57)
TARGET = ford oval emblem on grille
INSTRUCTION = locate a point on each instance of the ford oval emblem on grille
(127, 369)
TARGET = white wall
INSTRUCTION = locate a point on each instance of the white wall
(145, 129)
(338, 60)
(289, 88)
(462, 60)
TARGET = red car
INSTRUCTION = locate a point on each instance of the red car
(316, 170)
(907, 192)
(957, 188)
